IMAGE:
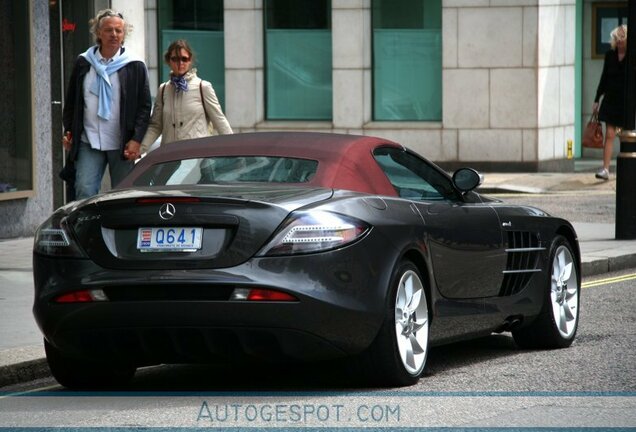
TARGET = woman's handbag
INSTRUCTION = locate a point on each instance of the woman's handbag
(593, 134)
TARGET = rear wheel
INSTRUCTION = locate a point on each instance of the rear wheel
(556, 325)
(80, 374)
(398, 355)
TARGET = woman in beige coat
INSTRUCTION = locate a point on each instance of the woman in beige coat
(185, 105)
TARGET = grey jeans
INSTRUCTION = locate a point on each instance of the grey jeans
(91, 165)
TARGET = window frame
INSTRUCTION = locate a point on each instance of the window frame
(599, 12)
(29, 95)
(420, 169)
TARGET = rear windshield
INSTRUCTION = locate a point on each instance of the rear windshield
(229, 169)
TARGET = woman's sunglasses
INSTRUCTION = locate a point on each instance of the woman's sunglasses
(181, 59)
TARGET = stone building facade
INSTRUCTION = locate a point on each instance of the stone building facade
(509, 82)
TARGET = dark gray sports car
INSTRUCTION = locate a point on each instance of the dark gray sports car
(295, 246)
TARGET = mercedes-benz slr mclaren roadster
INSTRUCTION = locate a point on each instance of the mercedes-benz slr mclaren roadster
(285, 246)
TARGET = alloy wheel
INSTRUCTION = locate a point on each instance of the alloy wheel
(411, 322)
(564, 292)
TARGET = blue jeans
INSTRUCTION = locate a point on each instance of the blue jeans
(91, 165)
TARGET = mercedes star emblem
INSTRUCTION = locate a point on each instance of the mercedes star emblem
(167, 211)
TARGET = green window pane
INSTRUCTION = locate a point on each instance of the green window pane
(191, 14)
(200, 22)
(16, 158)
(298, 59)
(299, 83)
(297, 14)
(209, 52)
(407, 57)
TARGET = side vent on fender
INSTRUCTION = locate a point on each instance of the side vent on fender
(523, 253)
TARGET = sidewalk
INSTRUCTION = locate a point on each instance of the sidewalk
(600, 251)
(22, 357)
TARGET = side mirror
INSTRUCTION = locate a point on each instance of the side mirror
(467, 179)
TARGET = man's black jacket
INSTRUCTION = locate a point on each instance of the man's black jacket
(135, 104)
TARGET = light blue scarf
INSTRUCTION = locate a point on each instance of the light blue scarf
(102, 87)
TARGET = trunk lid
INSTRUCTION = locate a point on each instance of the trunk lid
(234, 223)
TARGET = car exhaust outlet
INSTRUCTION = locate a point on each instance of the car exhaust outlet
(509, 324)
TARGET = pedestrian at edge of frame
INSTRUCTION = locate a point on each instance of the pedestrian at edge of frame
(611, 87)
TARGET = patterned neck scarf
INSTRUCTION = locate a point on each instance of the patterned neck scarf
(180, 83)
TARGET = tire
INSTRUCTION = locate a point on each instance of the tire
(398, 354)
(557, 323)
(79, 374)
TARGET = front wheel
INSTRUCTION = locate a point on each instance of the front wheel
(556, 325)
(398, 354)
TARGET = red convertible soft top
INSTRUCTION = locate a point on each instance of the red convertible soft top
(344, 161)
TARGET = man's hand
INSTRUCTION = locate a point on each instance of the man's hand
(132, 151)
(67, 141)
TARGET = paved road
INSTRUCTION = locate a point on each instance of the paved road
(484, 383)
(17, 326)
(589, 207)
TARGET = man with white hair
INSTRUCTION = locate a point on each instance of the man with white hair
(107, 107)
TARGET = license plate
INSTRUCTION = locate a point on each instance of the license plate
(169, 239)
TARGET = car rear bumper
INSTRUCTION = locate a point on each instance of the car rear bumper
(186, 316)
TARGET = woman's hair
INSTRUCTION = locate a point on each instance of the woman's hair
(176, 47)
(619, 33)
(96, 23)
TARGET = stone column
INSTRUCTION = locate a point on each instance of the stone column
(133, 12)
(244, 44)
(351, 38)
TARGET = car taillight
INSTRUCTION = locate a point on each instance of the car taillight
(54, 237)
(261, 294)
(82, 296)
(317, 231)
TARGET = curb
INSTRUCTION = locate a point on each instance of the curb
(608, 265)
(22, 364)
(25, 371)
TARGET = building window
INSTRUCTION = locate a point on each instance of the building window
(200, 22)
(407, 60)
(298, 59)
(16, 145)
(605, 18)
